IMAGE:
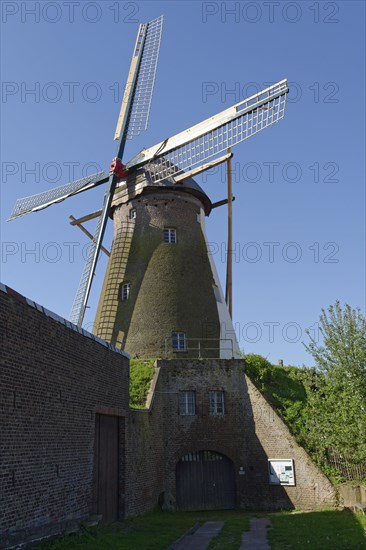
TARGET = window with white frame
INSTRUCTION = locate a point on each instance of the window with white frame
(125, 291)
(179, 341)
(187, 403)
(216, 399)
(170, 235)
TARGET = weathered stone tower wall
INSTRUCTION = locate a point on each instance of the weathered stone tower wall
(172, 287)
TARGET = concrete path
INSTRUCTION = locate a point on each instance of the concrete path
(200, 539)
(256, 538)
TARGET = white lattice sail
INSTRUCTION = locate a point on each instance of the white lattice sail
(214, 135)
(146, 53)
(46, 198)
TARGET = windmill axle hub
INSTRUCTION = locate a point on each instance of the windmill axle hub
(118, 168)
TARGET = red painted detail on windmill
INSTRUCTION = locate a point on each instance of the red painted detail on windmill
(118, 168)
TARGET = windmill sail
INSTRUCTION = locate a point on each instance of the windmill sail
(214, 135)
(42, 200)
(77, 312)
(148, 38)
(139, 77)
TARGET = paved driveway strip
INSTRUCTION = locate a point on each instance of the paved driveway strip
(256, 538)
(200, 539)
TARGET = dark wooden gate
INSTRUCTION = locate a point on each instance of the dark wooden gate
(205, 481)
(106, 467)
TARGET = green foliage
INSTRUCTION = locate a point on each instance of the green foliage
(325, 407)
(259, 369)
(337, 404)
(285, 389)
(141, 374)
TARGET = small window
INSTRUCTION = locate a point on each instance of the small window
(216, 403)
(170, 236)
(133, 213)
(125, 291)
(179, 341)
(187, 403)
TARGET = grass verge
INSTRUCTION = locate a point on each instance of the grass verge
(155, 531)
(325, 530)
(329, 529)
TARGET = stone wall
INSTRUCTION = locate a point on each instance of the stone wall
(249, 434)
(53, 381)
(353, 496)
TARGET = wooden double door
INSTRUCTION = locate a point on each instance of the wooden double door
(205, 480)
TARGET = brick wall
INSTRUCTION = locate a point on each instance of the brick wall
(249, 433)
(53, 381)
(270, 438)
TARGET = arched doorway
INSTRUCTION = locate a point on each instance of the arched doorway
(205, 480)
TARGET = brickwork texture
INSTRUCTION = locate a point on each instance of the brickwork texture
(172, 285)
(249, 433)
(53, 382)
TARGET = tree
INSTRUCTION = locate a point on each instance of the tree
(336, 416)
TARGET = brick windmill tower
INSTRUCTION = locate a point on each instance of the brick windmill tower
(161, 295)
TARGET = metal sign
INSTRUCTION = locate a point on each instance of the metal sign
(281, 471)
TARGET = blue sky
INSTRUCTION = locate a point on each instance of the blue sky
(299, 214)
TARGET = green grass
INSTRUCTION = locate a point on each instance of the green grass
(141, 373)
(283, 386)
(326, 530)
(154, 531)
(230, 536)
(333, 530)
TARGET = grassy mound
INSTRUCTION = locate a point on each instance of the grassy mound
(286, 388)
(141, 374)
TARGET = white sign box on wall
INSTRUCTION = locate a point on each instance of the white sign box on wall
(281, 471)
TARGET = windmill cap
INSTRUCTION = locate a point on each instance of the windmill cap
(140, 182)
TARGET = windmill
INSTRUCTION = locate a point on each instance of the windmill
(161, 178)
